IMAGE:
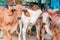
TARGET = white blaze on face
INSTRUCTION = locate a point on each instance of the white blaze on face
(45, 16)
(46, 21)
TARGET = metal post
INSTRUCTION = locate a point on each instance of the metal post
(5, 3)
(59, 4)
(46, 4)
(39, 3)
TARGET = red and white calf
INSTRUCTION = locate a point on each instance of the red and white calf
(46, 24)
(52, 30)
(55, 18)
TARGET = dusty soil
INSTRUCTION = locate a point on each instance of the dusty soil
(30, 36)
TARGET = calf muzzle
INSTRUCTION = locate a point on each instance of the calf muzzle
(19, 18)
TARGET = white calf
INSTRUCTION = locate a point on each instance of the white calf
(28, 21)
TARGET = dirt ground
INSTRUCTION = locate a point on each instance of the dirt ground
(30, 36)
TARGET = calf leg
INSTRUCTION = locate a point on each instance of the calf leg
(43, 31)
(38, 32)
(7, 36)
(24, 31)
(54, 37)
(11, 36)
(19, 34)
(38, 28)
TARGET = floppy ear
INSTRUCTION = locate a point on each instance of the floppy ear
(27, 13)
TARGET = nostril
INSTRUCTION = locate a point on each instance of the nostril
(19, 18)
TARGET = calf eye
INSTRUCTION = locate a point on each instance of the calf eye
(13, 10)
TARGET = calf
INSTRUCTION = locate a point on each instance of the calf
(10, 22)
(28, 19)
(55, 29)
(52, 30)
(46, 24)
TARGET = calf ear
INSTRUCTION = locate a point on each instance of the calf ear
(58, 12)
(27, 13)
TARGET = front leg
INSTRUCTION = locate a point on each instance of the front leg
(38, 28)
(20, 30)
(54, 37)
(11, 36)
(43, 31)
(38, 32)
(24, 31)
(7, 35)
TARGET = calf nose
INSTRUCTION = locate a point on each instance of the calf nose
(18, 17)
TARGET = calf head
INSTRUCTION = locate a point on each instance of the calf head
(16, 13)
